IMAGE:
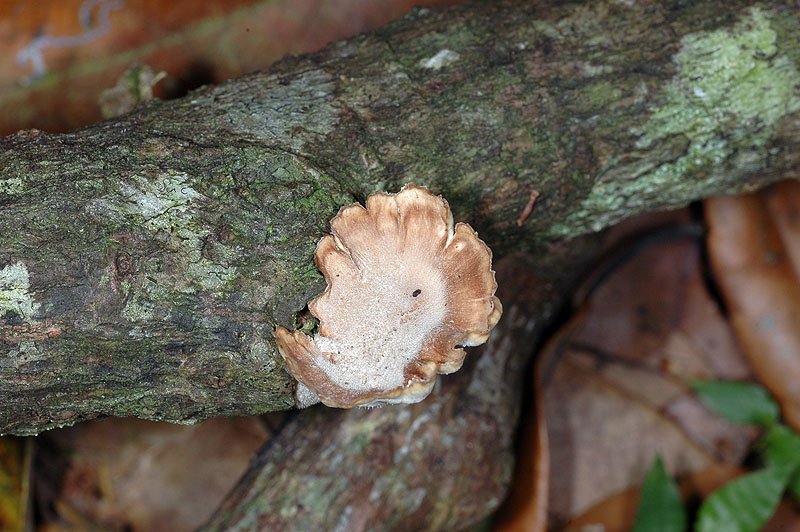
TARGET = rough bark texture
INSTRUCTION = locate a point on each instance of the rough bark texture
(442, 464)
(145, 261)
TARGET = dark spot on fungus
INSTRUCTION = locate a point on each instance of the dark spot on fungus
(416, 292)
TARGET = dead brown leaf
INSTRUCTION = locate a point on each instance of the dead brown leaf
(127, 474)
(14, 483)
(751, 263)
(616, 387)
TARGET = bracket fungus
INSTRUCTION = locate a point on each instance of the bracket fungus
(406, 291)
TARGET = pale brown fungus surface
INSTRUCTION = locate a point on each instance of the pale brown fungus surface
(406, 289)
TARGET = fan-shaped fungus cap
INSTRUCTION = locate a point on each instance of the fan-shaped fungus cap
(405, 291)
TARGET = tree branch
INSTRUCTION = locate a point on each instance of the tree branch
(442, 464)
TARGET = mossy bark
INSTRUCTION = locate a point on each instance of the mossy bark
(145, 261)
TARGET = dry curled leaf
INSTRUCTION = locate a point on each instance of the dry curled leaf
(749, 242)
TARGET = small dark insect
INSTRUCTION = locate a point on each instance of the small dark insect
(416, 292)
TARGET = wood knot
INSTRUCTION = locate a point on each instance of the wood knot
(124, 265)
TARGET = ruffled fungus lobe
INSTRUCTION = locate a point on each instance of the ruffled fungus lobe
(405, 290)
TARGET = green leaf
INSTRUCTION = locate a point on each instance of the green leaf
(660, 507)
(745, 504)
(740, 402)
(781, 447)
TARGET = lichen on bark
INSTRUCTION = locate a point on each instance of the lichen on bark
(16, 303)
(731, 88)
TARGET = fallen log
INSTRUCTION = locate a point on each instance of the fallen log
(145, 261)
